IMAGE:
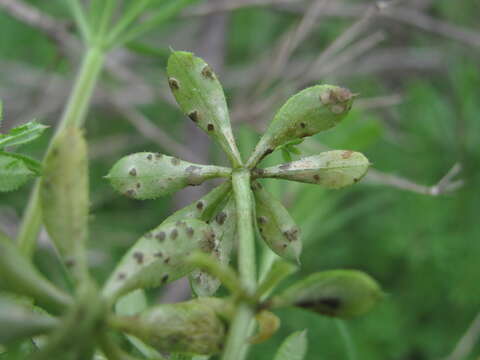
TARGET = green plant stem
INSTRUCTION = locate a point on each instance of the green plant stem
(246, 264)
(73, 115)
(347, 339)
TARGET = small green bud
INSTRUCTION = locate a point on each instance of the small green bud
(337, 293)
(332, 169)
(64, 196)
(276, 226)
(224, 227)
(200, 96)
(195, 327)
(312, 110)
(149, 175)
(158, 257)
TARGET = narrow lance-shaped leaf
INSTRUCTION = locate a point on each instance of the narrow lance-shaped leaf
(331, 169)
(224, 227)
(65, 197)
(338, 293)
(20, 277)
(14, 172)
(22, 134)
(196, 327)
(151, 175)
(200, 96)
(307, 113)
(276, 226)
(19, 321)
(293, 347)
(158, 257)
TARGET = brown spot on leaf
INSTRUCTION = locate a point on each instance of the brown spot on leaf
(149, 157)
(210, 127)
(194, 116)
(130, 193)
(133, 172)
(167, 260)
(221, 217)
(121, 276)
(173, 83)
(138, 257)
(316, 177)
(70, 263)
(158, 156)
(138, 185)
(291, 235)
(207, 72)
(262, 220)
(347, 154)
(164, 278)
(190, 231)
(303, 125)
(160, 236)
(174, 234)
(200, 205)
(337, 109)
(158, 254)
(285, 166)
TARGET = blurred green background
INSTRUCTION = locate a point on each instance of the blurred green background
(416, 68)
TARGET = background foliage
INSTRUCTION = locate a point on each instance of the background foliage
(423, 249)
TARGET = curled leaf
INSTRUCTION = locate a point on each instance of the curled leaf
(64, 196)
(276, 226)
(337, 293)
(200, 96)
(268, 324)
(159, 256)
(223, 225)
(331, 169)
(307, 113)
(150, 175)
(197, 326)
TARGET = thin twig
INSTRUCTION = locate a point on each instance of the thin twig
(465, 345)
(445, 185)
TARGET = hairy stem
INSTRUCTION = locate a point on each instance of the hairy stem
(246, 264)
(73, 115)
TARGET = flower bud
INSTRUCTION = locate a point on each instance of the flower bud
(337, 293)
(158, 257)
(223, 225)
(332, 169)
(276, 226)
(307, 113)
(65, 196)
(195, 327)
(200, 96)
(149, 175)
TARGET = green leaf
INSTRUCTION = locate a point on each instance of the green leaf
(64, 195)
(22, 134)
(14, 172)
(312, 110)
(277, 273)
(331, 169)
(337, 293)
(149, 175)
(276, 226)
(293, 347)
(195, 327)
(200, 96)
(20, 321)
(158, 257)
(20, 277)
(223, 225)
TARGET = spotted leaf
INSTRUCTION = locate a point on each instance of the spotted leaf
(338, 293)
(307, 113)
(151, 175)
(196, 327)
(331, 169)
(224, 227)
(276, 226)
(157, 257)
(200, 96)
